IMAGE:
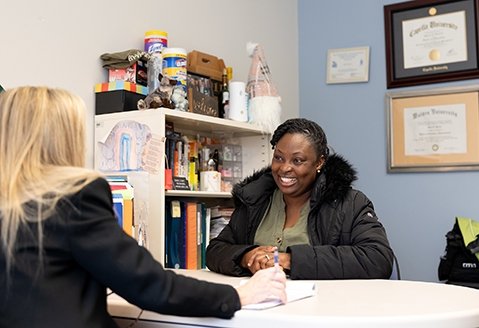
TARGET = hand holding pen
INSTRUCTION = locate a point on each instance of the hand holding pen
(281, 261)
(276, 259)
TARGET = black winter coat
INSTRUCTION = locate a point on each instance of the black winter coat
(86, 251)
(346, 239)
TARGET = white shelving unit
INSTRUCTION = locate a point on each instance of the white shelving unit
(117, 146)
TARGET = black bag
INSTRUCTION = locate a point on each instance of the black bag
(459, 265)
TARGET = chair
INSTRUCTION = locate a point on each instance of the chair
(396, 273)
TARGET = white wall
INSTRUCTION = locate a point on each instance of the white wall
(58, 43)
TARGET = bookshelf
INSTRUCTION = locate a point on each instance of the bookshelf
(120, 137)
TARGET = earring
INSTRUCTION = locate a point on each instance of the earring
(318, 171)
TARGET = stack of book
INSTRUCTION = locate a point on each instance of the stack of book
(123, 195)
(187, 234)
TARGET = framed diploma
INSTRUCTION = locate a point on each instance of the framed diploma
(434, 130)
(431, 41)
(348, 65)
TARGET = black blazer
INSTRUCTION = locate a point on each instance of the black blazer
(84, 252)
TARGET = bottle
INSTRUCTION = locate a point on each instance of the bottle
(155, 41)
(174, 64)
(229, 73)
(153, 71)
(225, 95)
(216, 159)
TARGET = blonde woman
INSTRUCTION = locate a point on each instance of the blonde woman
(61, 246)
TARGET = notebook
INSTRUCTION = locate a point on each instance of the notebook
(295, 290)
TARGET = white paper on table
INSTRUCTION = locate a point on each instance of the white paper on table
(295, 290)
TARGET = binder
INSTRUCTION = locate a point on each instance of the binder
(204, 235)
(182, 236)
(118, 207)
(191, 236)
(174, 239)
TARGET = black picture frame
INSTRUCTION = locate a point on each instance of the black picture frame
(462, 64)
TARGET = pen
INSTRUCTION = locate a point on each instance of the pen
(276, 258)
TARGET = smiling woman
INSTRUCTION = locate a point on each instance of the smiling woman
(303, 205)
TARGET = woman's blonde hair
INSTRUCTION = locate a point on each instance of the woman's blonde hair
(42, 157)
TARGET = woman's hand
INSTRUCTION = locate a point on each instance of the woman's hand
(262, 257)
(285, 260)
(258, 258)
(262, 285)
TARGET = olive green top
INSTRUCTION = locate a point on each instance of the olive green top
(270, 231)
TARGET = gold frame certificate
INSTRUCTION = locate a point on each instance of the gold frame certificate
(433, 130)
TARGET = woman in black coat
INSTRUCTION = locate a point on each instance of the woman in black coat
(305, 206)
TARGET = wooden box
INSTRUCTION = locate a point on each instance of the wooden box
(204, 64)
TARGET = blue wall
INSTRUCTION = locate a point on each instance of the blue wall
(417, 209)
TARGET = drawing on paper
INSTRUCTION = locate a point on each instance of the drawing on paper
(130, 146)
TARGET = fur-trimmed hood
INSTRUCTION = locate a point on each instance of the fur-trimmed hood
(332, 184)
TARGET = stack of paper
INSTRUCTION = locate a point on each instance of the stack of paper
(295, 290)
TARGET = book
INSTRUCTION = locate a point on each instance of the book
(170, 148)
(118, 207)
(128, 222)
(123, 188)
(184, 158)
(193, 174)
(177, 158)
(182, 236)
(127, 210)
(199, 232)
(174, 238)
(208, 228)
(193, 167)
(191, 236)
(204, 235)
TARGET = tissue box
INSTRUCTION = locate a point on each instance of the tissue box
(210, 181)
(118, 96)
(136, 73)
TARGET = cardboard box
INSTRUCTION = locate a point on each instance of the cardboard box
(118, 96)
(137, 73)
(204, 64)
